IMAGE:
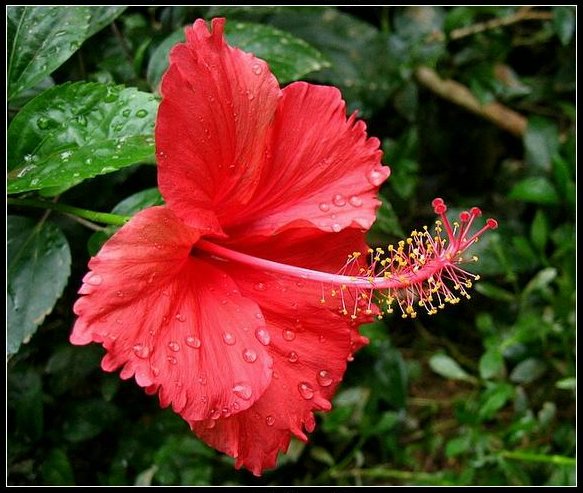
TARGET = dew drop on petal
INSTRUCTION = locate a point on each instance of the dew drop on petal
(243, 390)
(263, 336)
(292, 357)
(269, 420)
(258, 316)
(210, 424)
(172, 360)
(257, 69)
(324, 378)
(180, 317)
(355, 201)
(141, 350)
(174, 346)
(306, 390)
(375, 177)
(288, 335)
(155, 371)
(259, 286)
(193, 342)
(324, 207)
(336, 228)
(120, 293)
(229, 338)
(339, 200)
(202, 379)
(249, 355)
(215, 414)
(95, 280)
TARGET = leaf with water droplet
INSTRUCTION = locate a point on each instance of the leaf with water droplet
(83, 126)
(39, 263)
(40, 39)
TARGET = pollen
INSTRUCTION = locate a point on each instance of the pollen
(423, 272)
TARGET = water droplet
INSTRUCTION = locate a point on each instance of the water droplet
(375, 177)
(95, 280)
(88, 161)
(229, 338)
(257, 69)
(250, 96)
(258, 316)
(110, 97)
(180, 317)
(259, 286)
(43, 123)
(73, 45)
(65, 155)
(193, 342)
(249, 355)
(141, 113)
(215, 414)
(210, 424)
(324, 378)
(324, 207)
(269, 420)
(202, 379)
(322, 338)
(288, 335)
(263, 336)
(355, 201)
(336, 228)
(119, 293)
(172, 360)
(338, 200)
(174, 346)
(292, 357)
(126, 113)
(141, 350)
(306, 390)
(243, 390)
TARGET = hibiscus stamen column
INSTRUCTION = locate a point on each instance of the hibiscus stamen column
(424, 269)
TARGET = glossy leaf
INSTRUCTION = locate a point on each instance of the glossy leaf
(528, 371)
(101, 17)
(447, 367)
(541, 142)
(76, 131)
(39, 263)
(40, 40)
(536, 189)
(289, 58)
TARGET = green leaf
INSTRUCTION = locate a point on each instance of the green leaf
(39, 263)
(40, 39)
(56, 469)
(447, 367)
(539, 230)
(101, 17)
(536, 189)
(458, 445)
(289, 58)
(491, 364)
(77, 131)
(528, 371)
(88, 418)
(541, 142)
(25, 399)
(564, 23)
(494, 398)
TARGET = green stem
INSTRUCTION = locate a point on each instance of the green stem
(100, 217)
(382, 473)
(531, 457)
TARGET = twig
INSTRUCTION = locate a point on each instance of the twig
(459, 94)
(523, 14)
(86, 223)
(123, 43)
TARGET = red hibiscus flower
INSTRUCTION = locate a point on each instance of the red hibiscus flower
(214, 301)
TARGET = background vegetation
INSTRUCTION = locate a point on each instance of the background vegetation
(473, 104)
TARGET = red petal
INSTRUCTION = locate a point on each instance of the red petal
(179, 324)
(309, 346)
(217, 109)
(324, 171)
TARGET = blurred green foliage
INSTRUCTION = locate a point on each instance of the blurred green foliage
(481, 394)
